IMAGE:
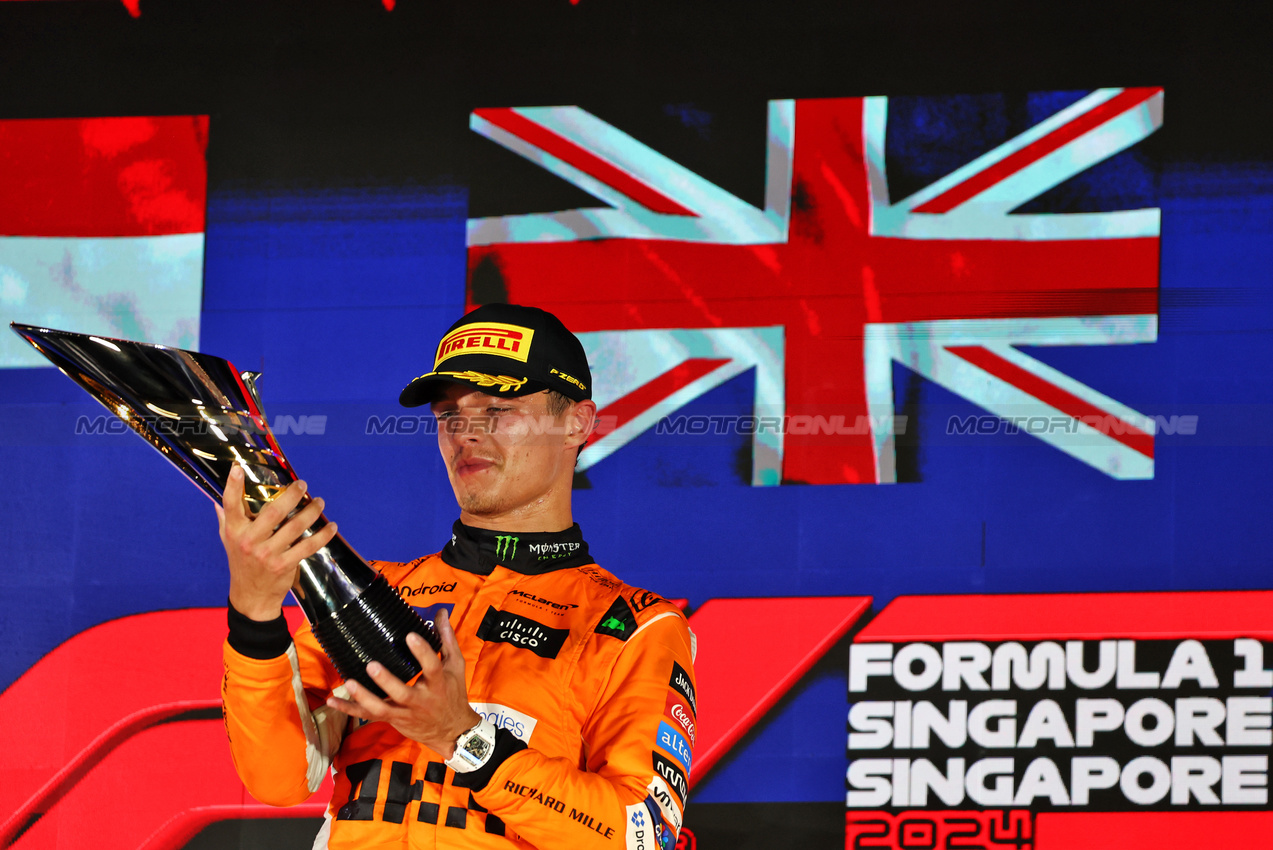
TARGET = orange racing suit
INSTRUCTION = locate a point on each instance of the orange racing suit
(588, 681)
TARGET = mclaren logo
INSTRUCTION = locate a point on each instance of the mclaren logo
(541, 602)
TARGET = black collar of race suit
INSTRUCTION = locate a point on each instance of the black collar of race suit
(480, 550)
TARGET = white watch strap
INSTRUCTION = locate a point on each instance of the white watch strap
(473, 748)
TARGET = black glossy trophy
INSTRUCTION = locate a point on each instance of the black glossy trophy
(205, 416)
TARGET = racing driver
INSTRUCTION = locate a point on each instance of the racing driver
(560, 711)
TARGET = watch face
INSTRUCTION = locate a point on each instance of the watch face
(477, 747)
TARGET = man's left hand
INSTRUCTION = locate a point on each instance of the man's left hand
(434, 710)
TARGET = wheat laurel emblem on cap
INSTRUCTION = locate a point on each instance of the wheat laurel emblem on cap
(504, 382)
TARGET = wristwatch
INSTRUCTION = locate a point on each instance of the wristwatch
(473, 748)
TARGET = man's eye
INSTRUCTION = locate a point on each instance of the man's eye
(494, 410)
(444, 414)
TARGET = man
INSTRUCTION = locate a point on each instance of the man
(561, 709)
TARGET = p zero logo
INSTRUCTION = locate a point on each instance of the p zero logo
(511, 341)
(503, 627)
(680, 681)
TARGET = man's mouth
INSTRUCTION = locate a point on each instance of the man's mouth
(473, 465)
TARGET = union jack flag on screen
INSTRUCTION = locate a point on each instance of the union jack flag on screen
(678, 286)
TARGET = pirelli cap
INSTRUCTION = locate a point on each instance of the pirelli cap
(506, 350)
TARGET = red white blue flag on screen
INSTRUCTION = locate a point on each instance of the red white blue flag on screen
(679, 285)
(102, 228)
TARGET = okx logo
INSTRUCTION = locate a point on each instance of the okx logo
(505, 547)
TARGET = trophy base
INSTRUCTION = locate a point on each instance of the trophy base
(373, 626)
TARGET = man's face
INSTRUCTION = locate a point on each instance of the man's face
(504, 456)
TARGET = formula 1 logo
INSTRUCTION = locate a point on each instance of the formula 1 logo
(821, 291)
(1041, 721)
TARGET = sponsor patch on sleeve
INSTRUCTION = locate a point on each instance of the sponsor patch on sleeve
(674, 743)
(640, 829)
(681, 682)
(677, 710)
(672, 775)
(618, 621)
(662, 795)
(646, 829)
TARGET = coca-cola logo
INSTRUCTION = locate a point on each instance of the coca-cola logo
(681, 716)
(677, 709)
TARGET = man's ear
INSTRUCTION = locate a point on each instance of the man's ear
(580, 420)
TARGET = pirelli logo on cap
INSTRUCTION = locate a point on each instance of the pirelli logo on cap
(511, 341)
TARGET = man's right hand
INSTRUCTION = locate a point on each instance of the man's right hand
(263, 561)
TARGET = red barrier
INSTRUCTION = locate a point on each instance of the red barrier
(121, 737)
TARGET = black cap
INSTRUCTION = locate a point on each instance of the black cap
(506, 350)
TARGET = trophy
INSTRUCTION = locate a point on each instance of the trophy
(206, 417)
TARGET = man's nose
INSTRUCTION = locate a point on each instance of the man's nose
(469, 426)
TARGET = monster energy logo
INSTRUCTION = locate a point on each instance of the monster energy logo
(505, 547)
(613, 623)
